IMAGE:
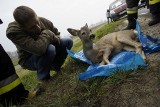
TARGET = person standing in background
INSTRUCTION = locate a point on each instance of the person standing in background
(108, 16)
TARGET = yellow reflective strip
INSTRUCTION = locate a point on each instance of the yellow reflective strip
(8, 80)
(131, 12)
(154, 1)
(10, 86)
(133, 9)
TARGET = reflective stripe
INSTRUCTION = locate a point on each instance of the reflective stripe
(154, 1)
(131, 12)
(9, 83)
(8, 80)
(9, 87)
(133, 8)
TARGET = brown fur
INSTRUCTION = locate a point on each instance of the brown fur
(108, 45)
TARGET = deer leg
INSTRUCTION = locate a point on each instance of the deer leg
(143, 55)
(137, 45)
(106, 55)
(129, 41)
(129, 48)
(102, 63)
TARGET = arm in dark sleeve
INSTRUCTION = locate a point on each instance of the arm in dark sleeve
(55, 30)
(49, 25)
(27, 43)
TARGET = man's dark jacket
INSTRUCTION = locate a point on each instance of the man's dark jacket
(28, 44)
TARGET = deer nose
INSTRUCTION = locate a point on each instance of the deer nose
(92, 36)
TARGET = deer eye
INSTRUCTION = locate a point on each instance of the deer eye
(83, 33)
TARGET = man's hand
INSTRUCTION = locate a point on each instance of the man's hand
(56, 40)
(55, 31)
(58, 33)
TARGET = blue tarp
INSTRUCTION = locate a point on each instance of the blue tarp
(122, 61)
(149, 44)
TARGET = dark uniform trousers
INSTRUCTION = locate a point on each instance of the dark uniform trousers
(132, 8)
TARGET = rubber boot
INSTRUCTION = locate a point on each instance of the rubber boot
(154, 19)
(131, 21)
(155, 11)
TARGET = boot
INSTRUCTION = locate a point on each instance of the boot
(155, 19)
(131, 21)
(131, 25)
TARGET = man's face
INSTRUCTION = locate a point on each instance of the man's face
(33, 26)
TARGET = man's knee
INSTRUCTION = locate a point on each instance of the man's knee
(67, 42)
(51, 51)
(70, 43)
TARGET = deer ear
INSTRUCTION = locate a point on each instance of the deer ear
(86, 25)
(73, 32)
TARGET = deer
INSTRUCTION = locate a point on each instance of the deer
(107, 46)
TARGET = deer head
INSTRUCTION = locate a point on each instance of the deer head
(84, 33)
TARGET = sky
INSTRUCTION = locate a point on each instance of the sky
(63, 13)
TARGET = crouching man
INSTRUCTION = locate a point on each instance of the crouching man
(38, 42)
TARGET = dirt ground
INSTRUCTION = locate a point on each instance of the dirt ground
(142, 88)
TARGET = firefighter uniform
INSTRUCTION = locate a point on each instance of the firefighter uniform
(12, 90)
(132, 12)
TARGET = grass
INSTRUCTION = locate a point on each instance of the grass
(107, 28)
(67, 89)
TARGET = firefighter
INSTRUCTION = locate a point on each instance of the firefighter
(132, 12)
(12, 91)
